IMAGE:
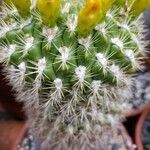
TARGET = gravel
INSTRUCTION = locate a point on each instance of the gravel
(146, 134)
(141, 90)
(29, 142)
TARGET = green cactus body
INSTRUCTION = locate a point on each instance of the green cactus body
(71, 83)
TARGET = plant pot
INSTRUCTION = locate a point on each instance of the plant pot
(146, 63)
(134, 124)
(11, 134)
(12, 131)
(139, 127)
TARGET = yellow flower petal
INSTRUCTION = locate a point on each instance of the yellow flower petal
(49, 10)
(138, 6)
(23, 6)
(106, 5)
(120, 2)
(92, 13)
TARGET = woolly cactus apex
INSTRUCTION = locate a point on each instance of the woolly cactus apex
(73, 86)
(138, 6)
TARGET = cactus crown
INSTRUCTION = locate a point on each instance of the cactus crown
(69, 62)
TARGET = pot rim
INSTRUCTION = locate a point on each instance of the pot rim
(139, 127)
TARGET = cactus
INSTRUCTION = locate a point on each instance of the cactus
(70, 63)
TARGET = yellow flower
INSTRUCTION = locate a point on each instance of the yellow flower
(49, 10)
(138, 6)
(106, 5)
(93, 12)
(23, 6)
(120, 2)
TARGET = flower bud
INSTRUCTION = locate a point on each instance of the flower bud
(91, 14)
(138, 6)
(49, 10)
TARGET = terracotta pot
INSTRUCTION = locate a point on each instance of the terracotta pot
(11, 131)
(146, 63)
(139, 127)
(135, 121)
(11, 134)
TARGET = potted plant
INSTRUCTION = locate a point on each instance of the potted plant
(71, 64)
